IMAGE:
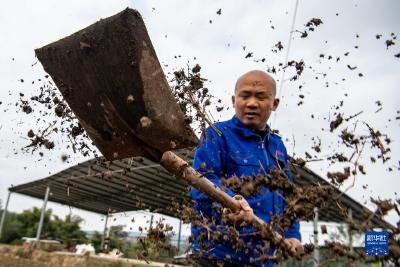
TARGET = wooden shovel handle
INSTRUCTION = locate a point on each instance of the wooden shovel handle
(181, 169)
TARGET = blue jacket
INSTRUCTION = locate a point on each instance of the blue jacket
(239, 151)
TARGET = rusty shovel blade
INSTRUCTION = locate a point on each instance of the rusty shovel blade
(111, 78)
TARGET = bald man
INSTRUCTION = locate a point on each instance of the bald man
(254, 99)
(245, 149)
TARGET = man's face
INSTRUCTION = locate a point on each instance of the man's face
(254, 100)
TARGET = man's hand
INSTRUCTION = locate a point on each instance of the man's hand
(294, 246)
(244, 213)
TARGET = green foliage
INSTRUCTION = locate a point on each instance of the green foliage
(69, 229)
(95, 240)
(151, 250)
(117, 238)
(30, 222)
(11, 230)
(25, 224)
(131, 248)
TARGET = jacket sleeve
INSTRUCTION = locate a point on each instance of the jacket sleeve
(294, 229)
(209, 160)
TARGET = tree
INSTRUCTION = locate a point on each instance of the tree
(69, 229)
(25, 224)
(95, 240)
(117, 239)
(11, 229)
(29, 220)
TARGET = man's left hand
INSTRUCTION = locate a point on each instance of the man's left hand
(294, 246)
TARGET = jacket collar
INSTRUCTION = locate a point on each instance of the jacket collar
(245, 130)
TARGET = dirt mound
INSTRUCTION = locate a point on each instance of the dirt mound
(22, 256)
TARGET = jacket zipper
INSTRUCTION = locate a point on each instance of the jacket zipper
(265, 152)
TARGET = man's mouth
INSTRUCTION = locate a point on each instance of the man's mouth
(251, 114)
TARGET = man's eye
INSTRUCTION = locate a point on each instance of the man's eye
(262, 97)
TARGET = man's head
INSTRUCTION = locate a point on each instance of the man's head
(254, 98)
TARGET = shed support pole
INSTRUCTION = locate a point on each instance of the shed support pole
(103, 238)
(179, 234)
(46, 197)
(3, 216)
(349, 232)
(316, 248)
(151, 221)
(89, 171)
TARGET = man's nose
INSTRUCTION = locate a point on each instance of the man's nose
(252, 103)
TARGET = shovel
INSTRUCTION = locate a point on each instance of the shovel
(111, 78)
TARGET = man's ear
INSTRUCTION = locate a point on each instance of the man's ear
(276, 104)
(233, 101)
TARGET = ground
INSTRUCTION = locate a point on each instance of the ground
(19, 256)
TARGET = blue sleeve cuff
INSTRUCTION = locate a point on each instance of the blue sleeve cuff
(296, 235)
(293, 232)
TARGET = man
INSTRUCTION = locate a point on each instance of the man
(240, 148)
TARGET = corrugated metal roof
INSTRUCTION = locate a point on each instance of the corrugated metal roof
(137, 183)
(333, 213)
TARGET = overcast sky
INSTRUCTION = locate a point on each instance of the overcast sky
(192, 31)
